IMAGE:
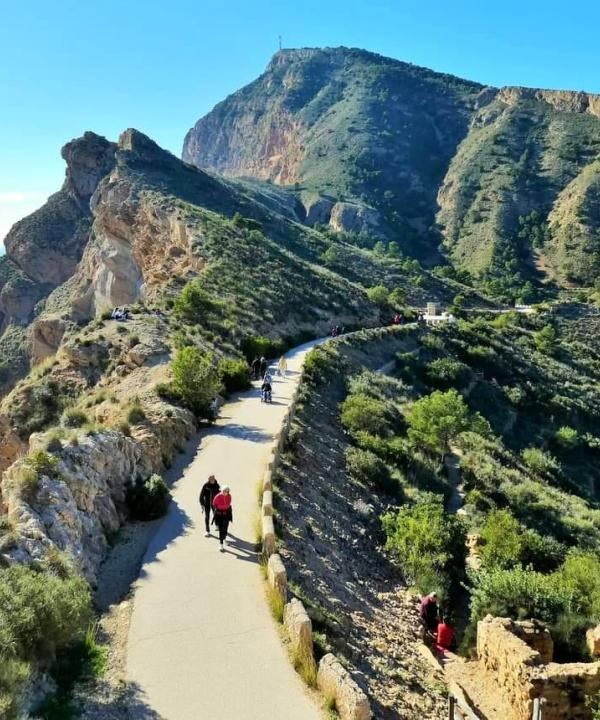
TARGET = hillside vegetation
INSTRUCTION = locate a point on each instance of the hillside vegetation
(516, 399)
(502, 182)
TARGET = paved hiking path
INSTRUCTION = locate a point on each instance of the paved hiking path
(202, 643)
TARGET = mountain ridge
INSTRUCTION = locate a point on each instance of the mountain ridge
(393, 151)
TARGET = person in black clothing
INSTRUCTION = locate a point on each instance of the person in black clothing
(209, 491)
(263, 367)
(255, 368)
(266, 389)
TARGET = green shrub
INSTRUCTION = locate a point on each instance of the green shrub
(539, 461)
(194, 304)
(234, 374)
(365, 467)
(545, 339)
(503, 541)
(519, 594)
(259, 346)
(148, 499)
(40, 613)
(427, 544)
(567, 437)
(195, 379)
(135, 413)
(379, 295)
(74, 418)
(445, 372)
(360, 412)
(42, 463)
(541, 552)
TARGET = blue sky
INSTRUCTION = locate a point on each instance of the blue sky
(68, 66)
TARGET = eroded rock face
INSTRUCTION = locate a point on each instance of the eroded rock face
(353, 218)
(84, 503)
(137, 244)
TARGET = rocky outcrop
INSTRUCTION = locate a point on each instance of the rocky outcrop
(518, 656)
(43, 249)
(349, 217)
(76, 508)
(47, 245)
(138, 245)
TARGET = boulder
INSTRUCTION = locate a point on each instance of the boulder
(335, 682)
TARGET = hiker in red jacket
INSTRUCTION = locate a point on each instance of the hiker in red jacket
(223, 514)
(445, 636)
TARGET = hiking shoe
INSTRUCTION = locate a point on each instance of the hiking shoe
(207, 534)
(221, 548)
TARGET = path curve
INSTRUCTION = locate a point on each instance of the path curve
(202, 644)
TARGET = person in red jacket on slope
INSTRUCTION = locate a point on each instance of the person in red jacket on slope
(445, 636)
(223, 514)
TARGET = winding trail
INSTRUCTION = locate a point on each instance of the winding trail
(202, 643)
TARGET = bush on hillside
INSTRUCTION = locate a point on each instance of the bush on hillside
(360, 412)
(539, 461)
(195, 379)
(545, 339)
(379, 295)
(427, 544)
(257, 346)
(502, 540)
(445, 372)
(365, 467)
(234, 374)
(74, 418)
(40, 614)
(148, 499)
(567, 437)
(437, 419)
(194, 303)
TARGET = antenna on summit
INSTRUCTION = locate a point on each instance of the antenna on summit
(279, 36)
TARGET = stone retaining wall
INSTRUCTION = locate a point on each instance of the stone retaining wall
(518, 656)
(332, 678)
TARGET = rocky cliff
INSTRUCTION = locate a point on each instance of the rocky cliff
(43, 249)
(383, 148)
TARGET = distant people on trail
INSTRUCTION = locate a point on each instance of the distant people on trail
(282, 366)
(255, 366)
(209, 492)
(223, 514)
(397, 320)
(263, 366)
(444, 639)
(429, 612)
(120, 314)
(336, 331)
(421, 318)
(266, 389)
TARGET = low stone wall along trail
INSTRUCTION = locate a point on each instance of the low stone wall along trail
(202, 643)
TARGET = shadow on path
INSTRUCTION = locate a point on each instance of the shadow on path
(175, 525)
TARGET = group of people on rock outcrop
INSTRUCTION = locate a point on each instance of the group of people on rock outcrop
(216, 502)
(436, 626)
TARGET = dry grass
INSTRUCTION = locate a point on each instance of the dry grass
(306, 667)
(276, 604)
